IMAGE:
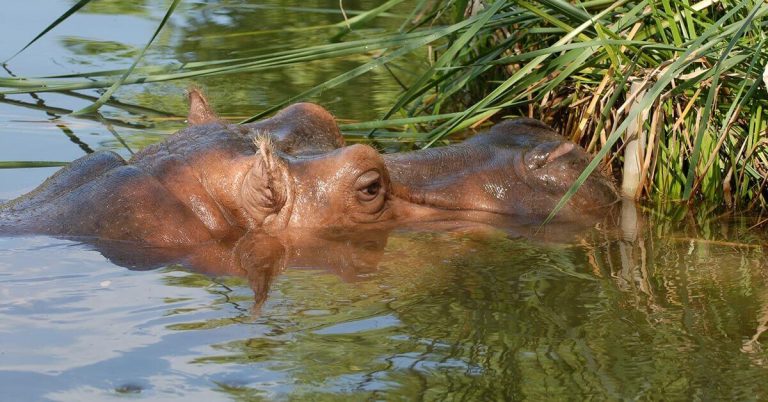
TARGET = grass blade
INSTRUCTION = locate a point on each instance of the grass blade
(520, 74)
(687, 193)
(360, 70)
(348, 24)
(108, 94)
(446, 58)
(30, 164)
(653, 93)
(80, 4)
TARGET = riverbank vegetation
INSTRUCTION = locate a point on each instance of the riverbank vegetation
(669, 94)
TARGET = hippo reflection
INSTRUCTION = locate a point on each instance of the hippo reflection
(216, 181)
(259, 257)
(353, 255)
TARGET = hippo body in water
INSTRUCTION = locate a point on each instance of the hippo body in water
(214, 180)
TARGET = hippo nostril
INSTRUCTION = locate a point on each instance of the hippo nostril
(547, 152)
(561, 150)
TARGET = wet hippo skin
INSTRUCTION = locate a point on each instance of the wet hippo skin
(213, 181)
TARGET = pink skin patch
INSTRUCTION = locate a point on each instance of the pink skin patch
(561, 150)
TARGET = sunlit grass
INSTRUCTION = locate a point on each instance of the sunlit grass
(30, 164)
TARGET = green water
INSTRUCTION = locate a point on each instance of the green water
(653, 306)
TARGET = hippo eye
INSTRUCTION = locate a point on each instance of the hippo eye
(368, 186)
(373, 189)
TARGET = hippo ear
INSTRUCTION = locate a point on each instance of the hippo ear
(266, 147)
(200, 112)
(274, 164)
(544, 153)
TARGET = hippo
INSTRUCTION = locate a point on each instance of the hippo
(213, 180)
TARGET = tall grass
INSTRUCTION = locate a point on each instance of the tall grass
(689, 72)
(697, 73)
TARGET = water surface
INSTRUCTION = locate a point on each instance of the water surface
(657, 306)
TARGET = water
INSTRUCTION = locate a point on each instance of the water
(659, 307)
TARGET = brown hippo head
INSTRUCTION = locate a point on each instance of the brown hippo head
(518, 171)
(214, 180)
